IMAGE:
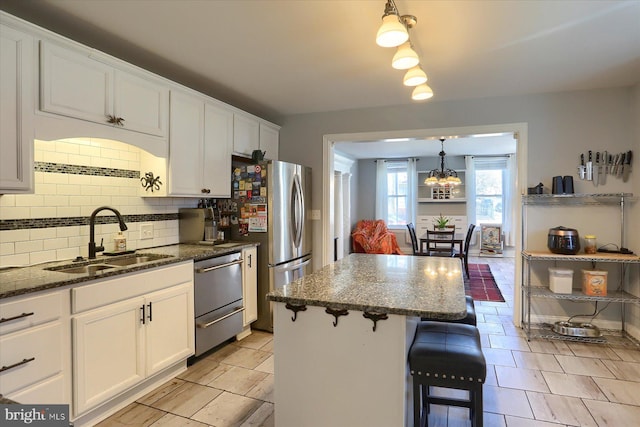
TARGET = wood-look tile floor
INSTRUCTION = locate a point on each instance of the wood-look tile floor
(535, 383)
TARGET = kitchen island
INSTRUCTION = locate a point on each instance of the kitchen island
(342, 335)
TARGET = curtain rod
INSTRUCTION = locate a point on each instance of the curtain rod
(393, 160)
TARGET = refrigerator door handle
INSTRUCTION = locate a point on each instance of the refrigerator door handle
(292, 266)
(297, 210)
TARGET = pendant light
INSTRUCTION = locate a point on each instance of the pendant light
(392, 32)
(414, 76)
(442, 176)
(421, 92)
(405, 57)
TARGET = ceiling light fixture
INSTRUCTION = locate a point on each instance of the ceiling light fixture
(442, 176)
(414, 76)
(421, 92)
(394, 32)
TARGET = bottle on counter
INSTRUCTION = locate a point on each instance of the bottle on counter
(120, 242)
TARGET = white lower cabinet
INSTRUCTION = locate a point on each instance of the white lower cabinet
(250, 285)
(34, 348)
(130, 338)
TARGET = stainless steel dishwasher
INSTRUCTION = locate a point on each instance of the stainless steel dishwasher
(218, 300)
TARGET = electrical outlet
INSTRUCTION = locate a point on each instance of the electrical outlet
(146, 231)
(315, 214)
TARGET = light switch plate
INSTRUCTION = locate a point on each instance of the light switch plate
(315, 214)
(146, 231)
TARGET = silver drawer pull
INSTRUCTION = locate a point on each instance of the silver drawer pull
(19, 316)
(216, 267)
(15, 365)
(213, 322)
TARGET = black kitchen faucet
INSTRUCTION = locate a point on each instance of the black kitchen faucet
(92, 225)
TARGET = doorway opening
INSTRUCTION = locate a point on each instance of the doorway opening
(331, 141)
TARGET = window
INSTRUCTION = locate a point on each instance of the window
(396, 192)
(489, 200)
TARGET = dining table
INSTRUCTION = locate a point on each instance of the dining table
(458, 238)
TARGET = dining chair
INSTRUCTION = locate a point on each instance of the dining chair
(464, 255)
(440, 242)
(417, 250)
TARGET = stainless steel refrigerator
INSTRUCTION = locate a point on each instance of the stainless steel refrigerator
(284, 254)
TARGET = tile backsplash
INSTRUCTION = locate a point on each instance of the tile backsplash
(72, 178)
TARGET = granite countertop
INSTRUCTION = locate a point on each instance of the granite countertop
(394, 284)
(24, 280)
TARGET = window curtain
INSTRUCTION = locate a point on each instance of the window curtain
(381, 190)
(509, 191)
(412, 190)
(470, 192)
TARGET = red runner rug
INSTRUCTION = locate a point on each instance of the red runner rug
(481, 285)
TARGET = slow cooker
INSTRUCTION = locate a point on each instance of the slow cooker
(563, 240)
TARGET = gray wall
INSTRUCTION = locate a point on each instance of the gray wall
(560, 127)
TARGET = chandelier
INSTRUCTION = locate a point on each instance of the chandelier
(394, 32)
(442, 176)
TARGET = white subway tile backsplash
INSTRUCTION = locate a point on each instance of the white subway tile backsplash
(7, 248)
(43, 233)
(30, 200)
(14, 260)
(7, 200)
(28, 246)
(43, 212)
(42, 256)
(58, 243)
(70, 193)
(14, 213)
(58, 200)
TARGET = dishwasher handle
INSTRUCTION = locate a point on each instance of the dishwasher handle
(213, 322)
(216, 267)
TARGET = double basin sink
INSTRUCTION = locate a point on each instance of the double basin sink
(101, 265)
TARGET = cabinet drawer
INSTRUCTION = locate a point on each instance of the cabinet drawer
(22, 313)
(108, 291)
(43, 344)
(50, 391)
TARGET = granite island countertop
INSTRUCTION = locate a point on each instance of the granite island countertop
(393, 284)
(25, 280)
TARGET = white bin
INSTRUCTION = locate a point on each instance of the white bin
(560, 280)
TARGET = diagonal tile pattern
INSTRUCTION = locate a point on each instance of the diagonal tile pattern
(534, 383)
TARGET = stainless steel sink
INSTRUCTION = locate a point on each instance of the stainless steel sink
(85, 269)
(138, 259)
(107, 264)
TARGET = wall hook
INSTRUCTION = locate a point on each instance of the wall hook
(295, 309)
(375, 317)
(336, 313)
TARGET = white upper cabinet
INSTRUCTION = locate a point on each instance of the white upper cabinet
(269, 141)
(246, 134)
(200, 145)
(16, 111)
(76, 85)
(218, 145)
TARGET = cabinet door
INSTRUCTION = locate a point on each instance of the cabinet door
(16, 111)
(250, 285)
(169, 331)
(246, 134)
(186, 138)
(142, 103)
(269, 141)
(75, 85)
(218, 145)
(107, 352)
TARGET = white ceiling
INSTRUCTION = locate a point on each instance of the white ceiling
(276, 57)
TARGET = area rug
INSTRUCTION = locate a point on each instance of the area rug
(481, 285)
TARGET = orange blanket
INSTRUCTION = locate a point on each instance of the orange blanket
(372, 237)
